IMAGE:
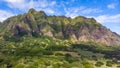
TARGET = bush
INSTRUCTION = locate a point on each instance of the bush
(45, 52)
(69, 58)
(109, 63)
(56, 48)
(67, 55)
(87, 65)
(19, 66)
(57, 65)
(59, 54)
(1, 60)
(85, 54)
(99, 64)
(118, 66)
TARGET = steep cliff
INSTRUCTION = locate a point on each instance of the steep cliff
(37, 23)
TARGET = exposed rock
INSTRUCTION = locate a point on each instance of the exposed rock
(78, 29)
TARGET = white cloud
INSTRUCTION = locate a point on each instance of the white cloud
(49, 11)
(72, 12)
(75, 11)
(53, 3)
(5, 14)
(108, 18)
(14, 1)
(20, 4)
(91, 10)
(24, 5)
(111, 6)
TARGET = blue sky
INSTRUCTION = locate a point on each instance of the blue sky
(107, 12)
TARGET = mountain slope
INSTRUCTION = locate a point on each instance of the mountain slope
(78, 29)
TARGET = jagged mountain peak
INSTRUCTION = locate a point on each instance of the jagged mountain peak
(37, 23)
(32, 10)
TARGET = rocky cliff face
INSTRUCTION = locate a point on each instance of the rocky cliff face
(78, 29)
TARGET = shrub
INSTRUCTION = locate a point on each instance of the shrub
(58, 54)
(85, 54)
(57, 65)
(45, 52)
(99, 64)
(56, 48)
(67, 55)
(1, 60)
(70, 59)
(109, 63)
(87, 65)
(118, 66)
(19, 66)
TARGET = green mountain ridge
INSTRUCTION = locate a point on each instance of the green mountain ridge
(37, 23)
(35, 40)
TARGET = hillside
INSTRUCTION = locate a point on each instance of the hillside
(37, 23)
(36, 40)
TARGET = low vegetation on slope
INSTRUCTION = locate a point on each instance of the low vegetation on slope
(31, 52)
(35, 40)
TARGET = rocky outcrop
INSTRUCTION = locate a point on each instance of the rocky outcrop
(78, 29)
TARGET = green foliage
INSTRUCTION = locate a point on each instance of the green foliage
(69, 58)
(56, 48)
(68, 55)
(35, 34)
(103, 51)
(85, 54)
(13, 38)
(24, 43)
(44, 52)
(109, 63)
(118, 66)
(99, 64)
(87, 65)
(23, 33)
(59, 54)
(19, 66)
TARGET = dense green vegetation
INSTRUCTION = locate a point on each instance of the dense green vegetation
(32, 52)
(35, 40)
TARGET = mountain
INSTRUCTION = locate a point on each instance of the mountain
(37, 23)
